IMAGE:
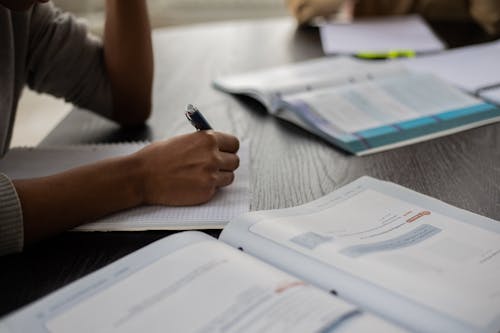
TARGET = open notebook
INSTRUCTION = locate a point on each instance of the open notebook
(370, 257)
(230, 201)
(361, 106)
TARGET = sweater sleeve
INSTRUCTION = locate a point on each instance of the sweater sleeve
(11, 218)
(66, 61)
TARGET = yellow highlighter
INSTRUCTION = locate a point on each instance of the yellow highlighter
(392, 54)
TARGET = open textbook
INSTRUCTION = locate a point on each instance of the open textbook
(370, 257)
(360, 106)
(230, 201)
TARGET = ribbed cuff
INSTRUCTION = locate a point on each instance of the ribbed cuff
(11, 218)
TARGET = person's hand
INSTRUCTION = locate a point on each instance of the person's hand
(187, 169)
(305, 10)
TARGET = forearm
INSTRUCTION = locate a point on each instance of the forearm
(60, 202)
(129, 59)
(184, 170)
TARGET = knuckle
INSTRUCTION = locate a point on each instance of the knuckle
(210, 166)
(210, 139)
(216, 159)
(213, 160)
(209, 180)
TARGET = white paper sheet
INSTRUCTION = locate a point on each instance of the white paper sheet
(379, 35)
(470, 68)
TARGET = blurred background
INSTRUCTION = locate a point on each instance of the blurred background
(38, 114)
(176, 12)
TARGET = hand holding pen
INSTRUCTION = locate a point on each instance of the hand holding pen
(188, 169)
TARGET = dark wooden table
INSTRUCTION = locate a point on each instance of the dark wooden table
(289, 166)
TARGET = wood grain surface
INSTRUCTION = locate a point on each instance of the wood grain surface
(289, 165)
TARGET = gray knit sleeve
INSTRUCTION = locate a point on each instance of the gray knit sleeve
(66, 61)
(11, 218)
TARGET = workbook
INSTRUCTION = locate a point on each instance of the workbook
(361, 106)
(371, 256)
(230, 201)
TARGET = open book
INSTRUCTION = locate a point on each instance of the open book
(372, 256)
(361, 106)
(230, 201)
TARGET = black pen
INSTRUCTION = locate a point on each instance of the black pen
(196, 118)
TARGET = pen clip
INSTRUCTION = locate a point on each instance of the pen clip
(196, 118)
(190, 110)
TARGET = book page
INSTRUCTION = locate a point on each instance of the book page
(376, 103)
(200, 285)
(421, 256)
(381, 34)
(304, 76)
(228, 202)
(388, 112)
(470, 68)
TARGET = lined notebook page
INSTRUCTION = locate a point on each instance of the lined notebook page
(229, 202)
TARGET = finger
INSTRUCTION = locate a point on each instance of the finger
(226, 142)
(228, 161)
(224, 178)
(306, 14)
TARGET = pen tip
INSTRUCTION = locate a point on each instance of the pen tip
(190, 108)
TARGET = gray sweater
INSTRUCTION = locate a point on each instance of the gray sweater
(50, 52)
